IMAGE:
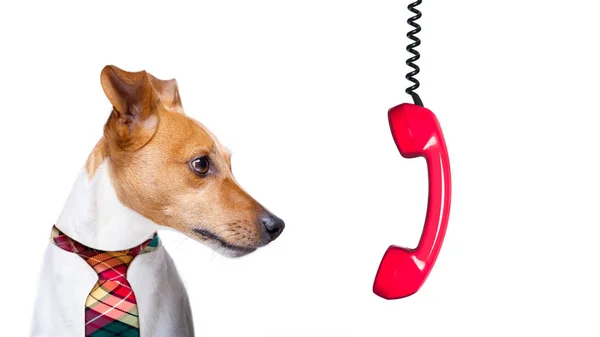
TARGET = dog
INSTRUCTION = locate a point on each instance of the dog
(154, 167)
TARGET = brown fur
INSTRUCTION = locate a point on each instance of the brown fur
(149, 143)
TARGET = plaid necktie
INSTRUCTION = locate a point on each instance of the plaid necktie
(110, 308)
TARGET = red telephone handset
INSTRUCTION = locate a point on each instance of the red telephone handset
(417, 132)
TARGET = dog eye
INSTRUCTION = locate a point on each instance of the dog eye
(201, 165)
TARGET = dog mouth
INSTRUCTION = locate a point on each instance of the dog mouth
(235, 249)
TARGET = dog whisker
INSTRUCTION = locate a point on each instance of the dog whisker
(212, 256)
(181, 241)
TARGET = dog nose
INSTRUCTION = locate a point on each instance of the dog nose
(273, 225)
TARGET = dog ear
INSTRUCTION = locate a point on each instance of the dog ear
(134, 119)
(168, 92)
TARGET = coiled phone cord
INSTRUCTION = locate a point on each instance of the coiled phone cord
(411, 49)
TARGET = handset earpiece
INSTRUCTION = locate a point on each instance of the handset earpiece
(417, 133)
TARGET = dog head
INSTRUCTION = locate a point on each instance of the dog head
(171, 169)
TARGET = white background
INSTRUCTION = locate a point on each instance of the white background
(300, 91)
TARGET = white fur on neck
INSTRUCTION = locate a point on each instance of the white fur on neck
(94, 216)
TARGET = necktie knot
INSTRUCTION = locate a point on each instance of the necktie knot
(110, 266)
